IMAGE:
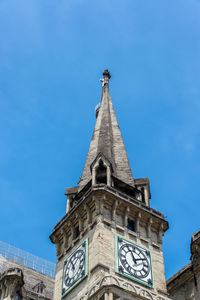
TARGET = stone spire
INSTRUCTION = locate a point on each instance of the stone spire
(107, 140)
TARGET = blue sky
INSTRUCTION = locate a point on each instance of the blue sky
(52, 54)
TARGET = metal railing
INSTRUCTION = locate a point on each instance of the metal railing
(27, 259)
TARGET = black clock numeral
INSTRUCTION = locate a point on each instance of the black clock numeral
(126, 265)
(123, 252)
(76, 276)
(137, 251)
(129, 269)
(130, 248)
(123, 258)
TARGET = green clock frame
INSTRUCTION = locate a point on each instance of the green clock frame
(128, 275)
(86, 267)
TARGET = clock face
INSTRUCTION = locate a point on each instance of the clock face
(133, 261)
(75, 268)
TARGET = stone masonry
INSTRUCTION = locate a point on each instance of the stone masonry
(184, 285)
(104, 204)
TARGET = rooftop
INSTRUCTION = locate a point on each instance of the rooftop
(27, 259)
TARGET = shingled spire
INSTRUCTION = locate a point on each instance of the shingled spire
(107, 140)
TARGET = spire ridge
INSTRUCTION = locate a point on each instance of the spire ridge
(107, 140)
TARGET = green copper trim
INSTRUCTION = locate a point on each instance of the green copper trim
(127, 275)
(86, 267)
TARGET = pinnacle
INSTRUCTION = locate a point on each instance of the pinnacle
(107, 139)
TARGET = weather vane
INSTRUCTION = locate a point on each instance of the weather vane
(102, 81)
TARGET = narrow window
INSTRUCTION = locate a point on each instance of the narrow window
(143, 198)
(101, 173)
(131, 225)
(77, 232)
(195, 280)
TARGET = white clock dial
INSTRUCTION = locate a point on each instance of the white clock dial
(133, 261)
(75, 268)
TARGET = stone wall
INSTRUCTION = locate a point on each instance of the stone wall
(185, 284)
(101, 234)
(33, 285)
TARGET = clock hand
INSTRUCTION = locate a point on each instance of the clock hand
(136, 265)
(140, 259)
(73, 267)
(133, 258)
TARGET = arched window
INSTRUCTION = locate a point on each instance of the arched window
(101, 173)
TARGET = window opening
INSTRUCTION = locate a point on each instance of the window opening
(143, 198)
(77, 232)
(101, 173)
(131, 225)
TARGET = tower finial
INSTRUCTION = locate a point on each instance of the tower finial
(106, 77)
(106, 74)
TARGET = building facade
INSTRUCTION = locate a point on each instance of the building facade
(109, 242)
(185, 284)
(24, 276)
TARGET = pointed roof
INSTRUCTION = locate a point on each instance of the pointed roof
(107, 139)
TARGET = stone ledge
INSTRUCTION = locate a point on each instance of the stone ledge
(143, 239)
(107, 222)
(155, 245)
(120, 228)
(132, 233)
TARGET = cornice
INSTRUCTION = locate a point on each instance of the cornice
(121, 196)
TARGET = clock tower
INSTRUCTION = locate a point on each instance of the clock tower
(109, 242)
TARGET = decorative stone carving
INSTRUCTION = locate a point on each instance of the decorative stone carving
(149, 227)
(89, 214)
(138, 222)
(39, 287)
(126, 213)
(114, 208)
(132, 288)
(71, 225)
(160, 233)
(80, 221)
(65, 240)
(10, 281)
(58, 245)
